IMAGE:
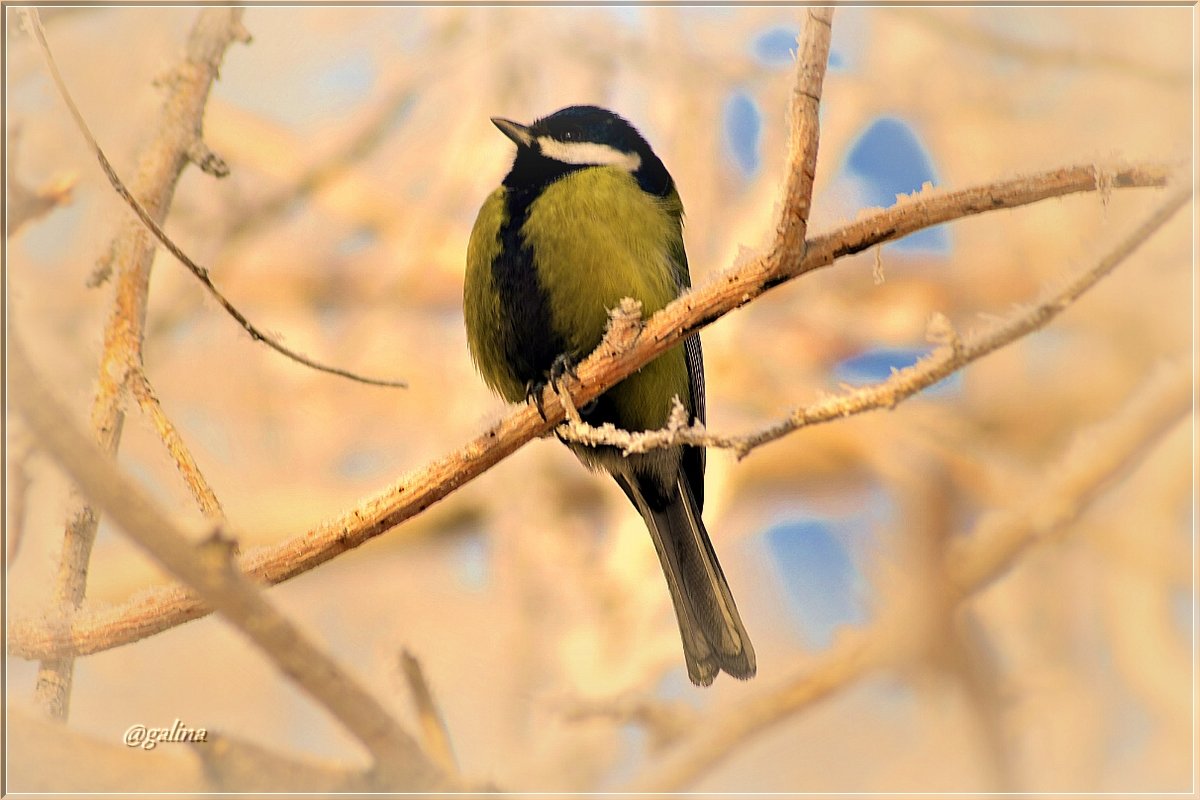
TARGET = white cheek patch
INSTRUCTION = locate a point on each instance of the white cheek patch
(590, 153)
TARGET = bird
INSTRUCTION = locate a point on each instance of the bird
(586, 216)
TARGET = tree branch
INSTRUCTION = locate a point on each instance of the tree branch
(195, 481)
(196, 151)
(433, 725)
(209, 569)
(164, 607)
(626, 348)
(805, 131)
(159, 168)
(954, 354)
(1072, 482)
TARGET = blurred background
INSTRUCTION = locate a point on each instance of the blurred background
(360, 150)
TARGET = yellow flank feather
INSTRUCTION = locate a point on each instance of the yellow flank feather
(481, 300)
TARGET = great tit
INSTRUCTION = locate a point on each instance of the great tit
(589, 215)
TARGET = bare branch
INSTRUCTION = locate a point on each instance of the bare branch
(619, 355)
(208, 568)
(147, 400)
(811, 64)
(192, 150)
(735, 288)
(1072, 482)
(159, 168)
(677, 431)
(433, 725)
(954, 354)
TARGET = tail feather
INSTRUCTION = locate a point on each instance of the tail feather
(712, 632)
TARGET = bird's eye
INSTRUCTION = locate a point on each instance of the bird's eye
(569, 135)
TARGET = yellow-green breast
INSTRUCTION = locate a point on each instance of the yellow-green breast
(594, 238)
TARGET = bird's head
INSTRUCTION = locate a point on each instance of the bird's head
(578, 137)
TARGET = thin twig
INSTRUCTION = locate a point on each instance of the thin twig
(612, 361)
(159, 168)
(193, 478)
(209, 569)
(433, 726)
(954, 355)
(677, 431)
(1072, 482)
(164, 607)
(197, 152)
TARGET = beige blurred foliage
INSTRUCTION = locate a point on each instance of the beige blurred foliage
(534, 592)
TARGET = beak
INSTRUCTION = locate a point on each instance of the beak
(514, 130)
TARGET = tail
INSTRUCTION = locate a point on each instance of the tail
(712, 632)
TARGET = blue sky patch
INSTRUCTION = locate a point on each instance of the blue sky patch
(888, 160)
(823, 586)
(743, 131)
(873, 366)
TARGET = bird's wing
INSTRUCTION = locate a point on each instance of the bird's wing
(693, 457)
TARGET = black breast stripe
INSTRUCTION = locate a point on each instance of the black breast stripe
(530, 342)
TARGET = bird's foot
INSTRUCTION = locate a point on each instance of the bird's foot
(533, 393)
(565, 365)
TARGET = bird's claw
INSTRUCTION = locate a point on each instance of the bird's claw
(563, 365)
(533, 393)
